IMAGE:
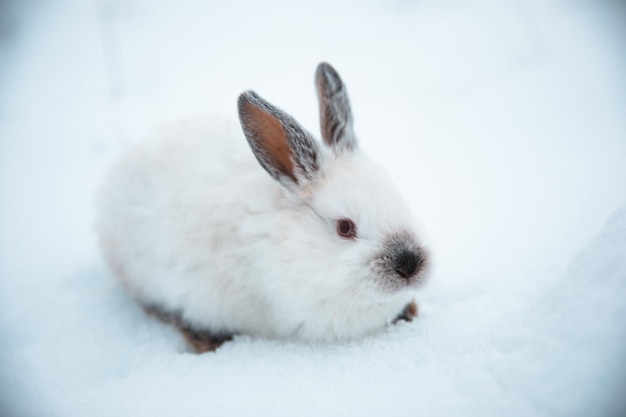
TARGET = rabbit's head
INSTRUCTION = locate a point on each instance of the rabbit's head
(347, 241)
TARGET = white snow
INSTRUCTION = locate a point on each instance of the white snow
(503, 123)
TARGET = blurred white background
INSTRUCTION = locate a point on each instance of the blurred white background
(503, 122)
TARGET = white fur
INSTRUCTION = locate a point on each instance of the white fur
(191, 223)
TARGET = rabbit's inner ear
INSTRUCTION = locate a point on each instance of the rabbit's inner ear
(269, 142)
(335, 113)
(284, 149)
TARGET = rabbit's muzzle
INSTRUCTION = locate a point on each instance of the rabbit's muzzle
(402, 262)
(407, 263)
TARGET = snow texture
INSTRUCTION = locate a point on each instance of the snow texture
(502, 122)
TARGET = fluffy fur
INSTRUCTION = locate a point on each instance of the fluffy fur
(191, 223)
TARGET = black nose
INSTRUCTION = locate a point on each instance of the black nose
(407, 263)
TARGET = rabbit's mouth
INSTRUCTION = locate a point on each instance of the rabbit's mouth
(402, 263)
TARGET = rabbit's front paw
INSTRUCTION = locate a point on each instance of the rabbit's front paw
(409, 312)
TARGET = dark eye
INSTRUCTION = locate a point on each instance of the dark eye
(346, 228)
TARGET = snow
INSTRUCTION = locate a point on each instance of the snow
(502, 122)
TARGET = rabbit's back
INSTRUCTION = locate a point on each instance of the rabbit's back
(168, 218)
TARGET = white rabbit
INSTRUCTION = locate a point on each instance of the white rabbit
(322, 248)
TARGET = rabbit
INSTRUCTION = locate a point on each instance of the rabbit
(306, 241)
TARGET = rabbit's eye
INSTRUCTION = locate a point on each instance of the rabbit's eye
(346, 228)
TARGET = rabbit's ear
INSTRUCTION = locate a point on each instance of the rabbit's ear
(335, 113)
(282, 147)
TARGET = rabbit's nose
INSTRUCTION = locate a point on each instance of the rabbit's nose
(407, 263)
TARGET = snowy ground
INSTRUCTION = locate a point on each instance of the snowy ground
(503, 122)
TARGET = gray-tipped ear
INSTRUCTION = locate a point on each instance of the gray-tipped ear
(282, 147)
(335, 113)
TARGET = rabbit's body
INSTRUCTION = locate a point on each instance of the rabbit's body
(193, 226)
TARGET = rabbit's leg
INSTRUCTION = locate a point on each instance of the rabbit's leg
(409, 312)
(200, 340)
(203, 341)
